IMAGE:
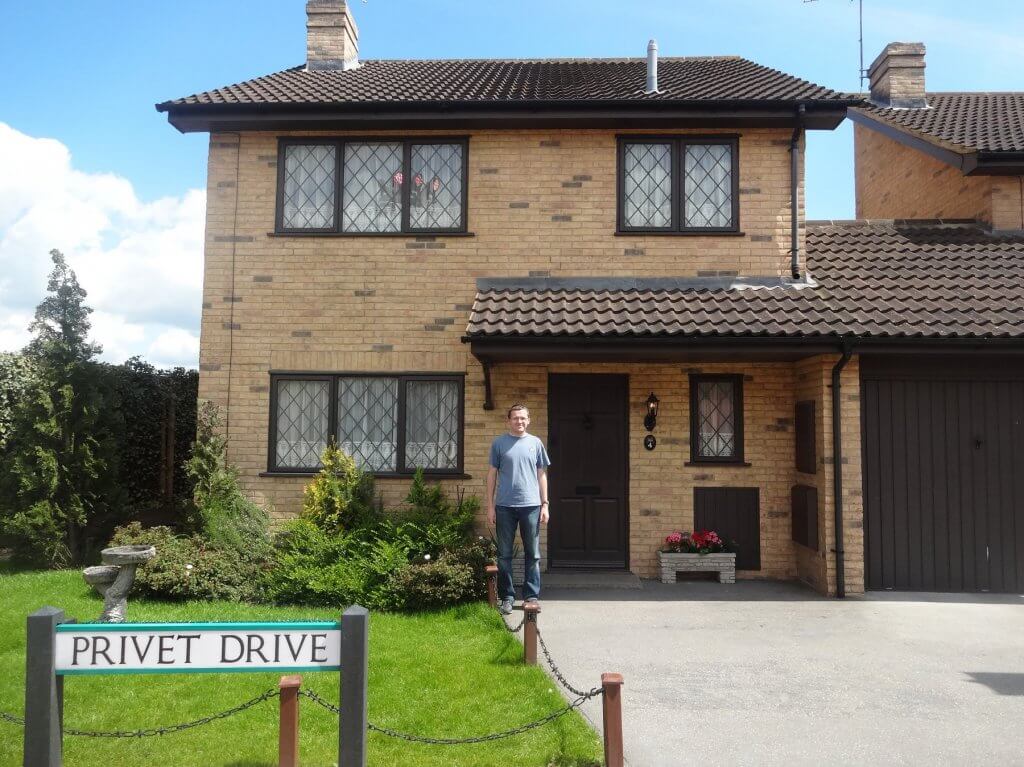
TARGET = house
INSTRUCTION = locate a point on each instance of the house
(397, 251)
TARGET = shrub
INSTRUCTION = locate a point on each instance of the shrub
(189, 567)
(340, 497)
(432, 584)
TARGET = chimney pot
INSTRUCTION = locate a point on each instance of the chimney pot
(652, 66)
(897, 76)
(332, 38)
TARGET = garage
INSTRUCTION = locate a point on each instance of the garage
(943, 463)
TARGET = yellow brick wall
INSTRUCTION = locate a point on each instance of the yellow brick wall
(540, 203)
(1007, 202)
(895, 181)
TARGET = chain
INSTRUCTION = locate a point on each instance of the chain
(273, 692)
(510, 629)
(485, 738)
(558, 674)
(12, 718)
(320, 701)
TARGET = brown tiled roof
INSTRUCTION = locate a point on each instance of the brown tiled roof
(963, 122)
(866, 279)
(701, 79)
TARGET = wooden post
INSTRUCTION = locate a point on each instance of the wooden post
(530, 634)
(44, 691)
(288, 733)
(612, 700)
(492, 585)
(355, 645)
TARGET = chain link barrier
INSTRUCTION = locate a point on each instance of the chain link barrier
(273, 692)
(510, 629)
(459, 741)
(558, 673)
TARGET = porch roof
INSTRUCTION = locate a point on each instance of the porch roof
(878, 282)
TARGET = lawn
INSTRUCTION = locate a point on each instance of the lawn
(454, 673)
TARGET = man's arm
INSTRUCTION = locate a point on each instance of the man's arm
(545, 508)
(492, 480)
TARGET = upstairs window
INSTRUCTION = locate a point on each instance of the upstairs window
(678, 185)
(372, 187)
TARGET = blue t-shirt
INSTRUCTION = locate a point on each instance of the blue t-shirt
(517, 460)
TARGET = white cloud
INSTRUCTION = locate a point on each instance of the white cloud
(140, 262)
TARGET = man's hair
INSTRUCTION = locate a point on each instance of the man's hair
(517, 406)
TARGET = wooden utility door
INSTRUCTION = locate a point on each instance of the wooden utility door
(589, 446)
(943, 478)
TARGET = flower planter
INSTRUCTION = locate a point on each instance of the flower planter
(671, 563)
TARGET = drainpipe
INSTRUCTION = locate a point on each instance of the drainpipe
(837, 465)
(794, 183)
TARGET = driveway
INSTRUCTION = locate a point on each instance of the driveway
(770, 673)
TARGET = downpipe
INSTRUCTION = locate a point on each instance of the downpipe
(837, 465)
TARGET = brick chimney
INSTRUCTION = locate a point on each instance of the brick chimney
(332, 38)
(897, 76)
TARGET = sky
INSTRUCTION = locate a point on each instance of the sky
(88, 166)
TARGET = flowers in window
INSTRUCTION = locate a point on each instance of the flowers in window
(697, 542)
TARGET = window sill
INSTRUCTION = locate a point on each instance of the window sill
(656, 233)
(407, 235)
(427, 474)
(732, 464)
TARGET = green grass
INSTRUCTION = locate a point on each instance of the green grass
(448, 674)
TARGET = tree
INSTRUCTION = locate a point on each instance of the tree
(59, 493)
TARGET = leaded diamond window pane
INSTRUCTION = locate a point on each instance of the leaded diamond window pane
(435, 197)
(302, 412)
(368, 421)
(432, 425)
(716, 413)
(372, 197)
(648, 186)
(309, 171)
(708, 186)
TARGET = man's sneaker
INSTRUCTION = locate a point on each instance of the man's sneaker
(505, 607)
(532, 602)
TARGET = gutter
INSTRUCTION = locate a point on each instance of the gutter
(794, 170)
(837, 465)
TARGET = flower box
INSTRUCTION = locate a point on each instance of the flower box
(722, 562)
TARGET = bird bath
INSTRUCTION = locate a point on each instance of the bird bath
(114, 578)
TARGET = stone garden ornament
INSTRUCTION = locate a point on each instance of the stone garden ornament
(115, 577)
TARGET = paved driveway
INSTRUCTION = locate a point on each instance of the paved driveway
(768, 673)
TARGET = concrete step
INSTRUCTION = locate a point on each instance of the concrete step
(589, 579)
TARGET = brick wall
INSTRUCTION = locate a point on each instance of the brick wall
(1007, 202)
(895, 181)
(540, 203)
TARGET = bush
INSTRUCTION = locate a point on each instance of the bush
(189, 567)
(432, 584)
(340, 497)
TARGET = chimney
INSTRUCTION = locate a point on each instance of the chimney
(332, 39)
(897, 76)
(652, 67)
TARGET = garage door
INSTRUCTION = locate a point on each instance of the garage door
(943, 467)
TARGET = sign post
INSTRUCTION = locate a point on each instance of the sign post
(44, 691)
(355, 645)
(57, 648)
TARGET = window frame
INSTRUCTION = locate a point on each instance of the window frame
(678, 145)
(339, 182)
(736, 379)
(332, 419)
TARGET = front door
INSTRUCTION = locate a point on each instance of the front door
(588, 440)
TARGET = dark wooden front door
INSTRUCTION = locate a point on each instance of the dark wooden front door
(943, 483)
(588, 441)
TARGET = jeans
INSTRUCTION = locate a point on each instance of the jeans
(527, 519)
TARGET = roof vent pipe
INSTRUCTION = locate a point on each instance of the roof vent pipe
(652, 66)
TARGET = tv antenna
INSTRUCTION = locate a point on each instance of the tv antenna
(860, 39)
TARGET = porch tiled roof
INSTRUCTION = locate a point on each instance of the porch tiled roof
(962, 122)
(895, 279)
(685, 79)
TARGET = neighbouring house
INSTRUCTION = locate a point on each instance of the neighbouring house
(396, 251)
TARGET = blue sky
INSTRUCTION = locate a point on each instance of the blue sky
(86, 76)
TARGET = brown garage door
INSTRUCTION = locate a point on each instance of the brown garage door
(943, 465)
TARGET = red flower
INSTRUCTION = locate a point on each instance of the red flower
(398, 178)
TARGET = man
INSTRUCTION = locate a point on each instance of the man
(519, 470)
